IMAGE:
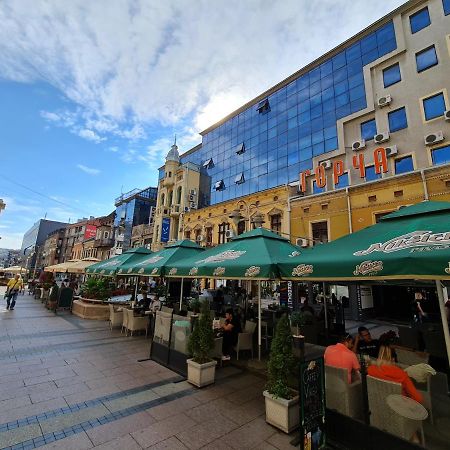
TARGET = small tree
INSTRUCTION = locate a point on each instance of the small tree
(281, 361)
(201, 341)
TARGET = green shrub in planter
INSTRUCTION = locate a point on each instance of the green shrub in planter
(201, 341)
(281, 362)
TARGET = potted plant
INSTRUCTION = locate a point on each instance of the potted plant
(282, 409)
(195, 305)
(201, 367)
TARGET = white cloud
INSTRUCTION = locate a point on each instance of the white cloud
(90, 135)
(88, 170)
(113, 149)
(128, 65)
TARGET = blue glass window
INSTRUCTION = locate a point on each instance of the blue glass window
(343, 181)
(403, 165)
(397, 120)
(419, 20)
(441, 155)
(392, 75)
(446, 6)
(371, 174)
(434, 106)
(426, 58)
(368, 130)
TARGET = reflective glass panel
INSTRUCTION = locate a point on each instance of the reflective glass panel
(392, 75)
(419, 20)
(397, 120)
(404, 165)
(441, 155)
(434, 106)
(426, 58)
(368, 130)
(371, 174)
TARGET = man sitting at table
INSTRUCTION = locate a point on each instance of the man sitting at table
(231, 330)
(145, 301)
(342, 356)
(365, 344)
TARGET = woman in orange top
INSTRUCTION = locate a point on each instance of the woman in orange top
(386, 370)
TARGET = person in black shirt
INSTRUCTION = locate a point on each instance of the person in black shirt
(231, 330)
(365, 344)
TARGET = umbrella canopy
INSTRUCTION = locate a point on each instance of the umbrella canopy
(253, 255)
(14, 269)
(411, 243)
(112, 265)
(62, 267)
(155, 264)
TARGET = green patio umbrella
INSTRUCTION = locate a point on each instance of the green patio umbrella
(112, 265)
(411, 243)
(250, 256)
(154, 265)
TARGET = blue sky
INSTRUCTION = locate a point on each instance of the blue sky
(91, 93)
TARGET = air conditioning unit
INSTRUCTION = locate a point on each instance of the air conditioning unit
(447, 115)
(358, 145)
(326, 164)
(302, 242)
(200, 238)
(192, 197)
(384, 101)
(229, 234)
(192, 205)
(434, 138)
(381, 137)
(391, 151)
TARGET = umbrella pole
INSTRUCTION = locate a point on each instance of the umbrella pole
(440, 292)
(325, 307)
(181, 293)
(259, 320)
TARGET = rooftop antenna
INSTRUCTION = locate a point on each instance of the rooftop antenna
(45, 216)
(175, 139)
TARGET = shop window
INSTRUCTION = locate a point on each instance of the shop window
(441, 155)
(187, 234)
(397, 120)
(319, 232)
(434, 106)
(392, 75)
(223, 228)
(275, 223)
(446, 6)
(371, 174)
(343, 181)
(368, 129)
(426, 58)
(403, 165)
(419, 20)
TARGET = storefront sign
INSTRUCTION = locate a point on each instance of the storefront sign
(364, 297)
(165, 229)
(312, 404)
(358, 164)
(90, 231)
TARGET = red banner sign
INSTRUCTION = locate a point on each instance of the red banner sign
(358, 164)
(90, 231)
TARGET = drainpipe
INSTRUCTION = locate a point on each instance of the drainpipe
(425, 188)
(349, 210)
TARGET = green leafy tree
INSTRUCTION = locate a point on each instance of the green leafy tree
(281, 362)
(201, 341)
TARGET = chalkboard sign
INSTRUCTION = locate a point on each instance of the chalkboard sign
(312, 403)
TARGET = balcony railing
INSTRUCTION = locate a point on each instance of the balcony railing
(105, 242)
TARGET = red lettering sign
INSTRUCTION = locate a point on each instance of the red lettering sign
(380, 160)
(338, 170)
(321, 178)
(90, 231)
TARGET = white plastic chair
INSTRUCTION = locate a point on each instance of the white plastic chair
(115, 317)
(136, 323)
(245, 339)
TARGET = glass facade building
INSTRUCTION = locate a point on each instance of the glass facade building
(268, 144)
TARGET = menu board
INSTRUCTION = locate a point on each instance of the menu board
(312, 403)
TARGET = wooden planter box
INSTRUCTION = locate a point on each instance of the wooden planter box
(90, 309)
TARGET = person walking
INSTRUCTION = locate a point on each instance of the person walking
(12, 290)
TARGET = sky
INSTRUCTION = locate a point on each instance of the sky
(93, 92)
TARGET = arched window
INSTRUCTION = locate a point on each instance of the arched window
(223, 228)
(241, 227)
(179, 192)
(170, 198)
(163, 200)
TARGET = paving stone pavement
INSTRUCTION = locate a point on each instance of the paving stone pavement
(71, 384)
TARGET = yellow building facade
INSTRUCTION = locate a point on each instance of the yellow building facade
(328, 216)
